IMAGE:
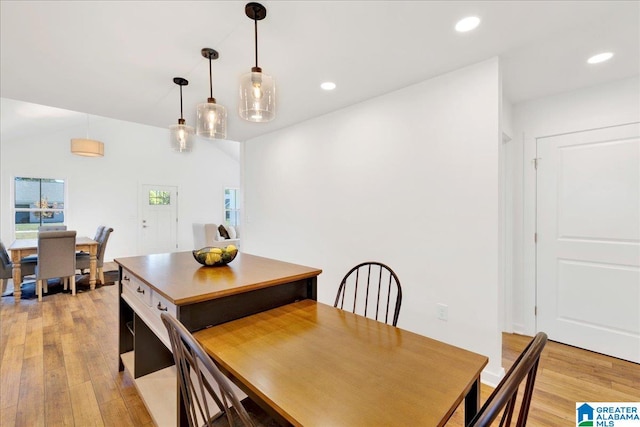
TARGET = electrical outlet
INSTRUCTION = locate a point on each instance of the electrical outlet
(443, 311)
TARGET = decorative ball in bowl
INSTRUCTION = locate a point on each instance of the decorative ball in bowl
(215, 257)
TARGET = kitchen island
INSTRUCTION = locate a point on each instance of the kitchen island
(199, 297)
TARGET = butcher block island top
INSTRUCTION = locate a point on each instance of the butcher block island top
(182, 280)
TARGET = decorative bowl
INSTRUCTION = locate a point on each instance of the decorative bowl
(215, 257)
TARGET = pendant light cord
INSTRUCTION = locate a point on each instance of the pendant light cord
(210, 79)
(255, 25)
(181, 103)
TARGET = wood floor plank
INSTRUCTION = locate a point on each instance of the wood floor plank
(86, 411)
(132, 399)
(30, 411)
(105, 389)
(116, 414)
(33, 345)
(52, 354)
(10, 373)
(18, 330)
(8, 416)
(74, 361)
(58, 410)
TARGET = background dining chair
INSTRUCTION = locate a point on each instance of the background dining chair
(83, 259)
(6, 268)
(52, 228)
(56, 258)
(372, 289)
(99, 232)
(503, 399)
(195, 369)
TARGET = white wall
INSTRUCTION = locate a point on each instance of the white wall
(604, 105)
(105, 190)
(409, 179)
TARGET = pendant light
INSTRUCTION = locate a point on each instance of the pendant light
(87, 147)
(181, 135)
(212, 118)
(257, 90)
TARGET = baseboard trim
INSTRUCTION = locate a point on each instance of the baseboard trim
(492, 378)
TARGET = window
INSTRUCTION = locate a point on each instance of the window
(231, 207)
(158, 197)
(38, 201)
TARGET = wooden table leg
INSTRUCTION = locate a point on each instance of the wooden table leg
(17, 280)
(93, 266)
(472, 402)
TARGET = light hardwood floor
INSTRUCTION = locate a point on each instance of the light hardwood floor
(59, 366)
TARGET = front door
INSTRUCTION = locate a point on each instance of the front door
(588, 230)
(159, 213)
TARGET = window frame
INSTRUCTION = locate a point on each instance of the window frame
(233, 212)
(16, 234)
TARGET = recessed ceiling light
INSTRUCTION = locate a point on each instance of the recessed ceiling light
(328, 86)
(601, 57)
(467, 24)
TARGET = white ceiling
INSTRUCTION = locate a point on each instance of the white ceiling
(118, 59)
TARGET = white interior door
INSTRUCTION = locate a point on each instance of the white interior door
(588, 230)
(159, 213)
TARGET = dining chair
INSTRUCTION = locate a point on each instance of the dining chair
(504, 397)
(99, 232)
(56, 259)
(372, 289)
(52, 228)
(83, 259)
(27, 267)
(197, 375)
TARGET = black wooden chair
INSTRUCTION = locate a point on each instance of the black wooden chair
(197, 375)
(504, 397)
(372, 289)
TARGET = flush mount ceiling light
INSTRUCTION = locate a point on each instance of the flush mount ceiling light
(257, 90)
(328, 86)
(212, 118)
(87, 147)
(601, 57)
(181, 135)
(467, 24)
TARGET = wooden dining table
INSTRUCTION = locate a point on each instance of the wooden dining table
(21, 248)
(316, 365)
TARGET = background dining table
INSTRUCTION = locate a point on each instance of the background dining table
(21, 248)
(314, 364)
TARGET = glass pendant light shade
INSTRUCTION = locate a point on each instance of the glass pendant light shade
(257, 96)
(181, 137)
(212, 120)
(257, 90)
